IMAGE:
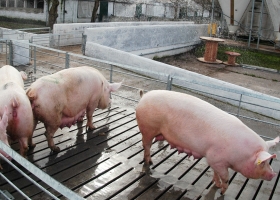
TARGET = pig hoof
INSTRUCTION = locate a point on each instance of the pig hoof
(149, 163)
(90, 128)
(32, 146)
(56, 149)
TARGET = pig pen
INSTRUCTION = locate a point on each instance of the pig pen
(107, 163)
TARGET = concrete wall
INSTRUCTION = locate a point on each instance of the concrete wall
(40, 39)
(145, 40)
(22, 14)
(21, 53)
(72, 33)
(186, 78)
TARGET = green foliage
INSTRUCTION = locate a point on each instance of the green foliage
(248, 56)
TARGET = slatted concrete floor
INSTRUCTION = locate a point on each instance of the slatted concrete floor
(107, 164)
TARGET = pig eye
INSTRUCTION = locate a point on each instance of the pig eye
(262, 164)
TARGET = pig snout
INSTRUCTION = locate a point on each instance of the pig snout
(269, 175)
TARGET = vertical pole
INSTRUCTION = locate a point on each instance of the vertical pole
(260, 25)
(11, 53)
(239, 105)
(67, 61)
(111, 74)
(34, 59)
(111, 78)
(169, 83)
(6, 43)
(58, 41)
(251, 26)
(212, 16)
(84, 40)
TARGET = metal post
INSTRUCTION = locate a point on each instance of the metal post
(251, 26)
(260, 25)
(58, 42)
(84, 40)
(6, 43)
(170, 86)
(212, 16)
(169, 83)
(10, 53)
(111, 74)
(67, 60)
(34, 59)
(239, 105)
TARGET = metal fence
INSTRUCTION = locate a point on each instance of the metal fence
(40, 61)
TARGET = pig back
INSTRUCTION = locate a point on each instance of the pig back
(68, 91)
(189, 122)
(10, 74)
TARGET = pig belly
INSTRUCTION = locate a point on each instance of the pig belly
(69, 121)
(180, 148)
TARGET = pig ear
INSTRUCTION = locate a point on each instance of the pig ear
(115, 86)
(272, 142)
(263, 156)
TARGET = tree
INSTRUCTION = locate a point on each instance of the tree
(52, 11)
(94, 11)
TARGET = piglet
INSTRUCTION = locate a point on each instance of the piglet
(3, 134)
(200, 129)
(19, 112)
(63, 98)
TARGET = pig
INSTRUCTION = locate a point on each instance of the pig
(63, 98)
(3, 134)
(200, 129)
(15, 104)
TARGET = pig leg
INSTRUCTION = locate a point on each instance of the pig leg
(89, 112)
(50, 131)
(30, 143)
(23, 142)
(216, 180)
(147, 143)
(221, 173)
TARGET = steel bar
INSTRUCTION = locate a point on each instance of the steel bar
(37, 172)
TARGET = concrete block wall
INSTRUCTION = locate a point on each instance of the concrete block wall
(71, 34)
(146, 39)
(186, 78)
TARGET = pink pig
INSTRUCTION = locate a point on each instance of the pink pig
(19, 112)
(200, 129)
(3, 134)
(63, 98)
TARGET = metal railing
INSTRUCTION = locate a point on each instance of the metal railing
(43, 60)
(46, 60)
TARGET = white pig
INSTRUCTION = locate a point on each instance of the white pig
(3, 134)
(63, 98)
(200, 129)
(20, 117)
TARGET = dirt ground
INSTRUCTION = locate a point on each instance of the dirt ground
(258, 79)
